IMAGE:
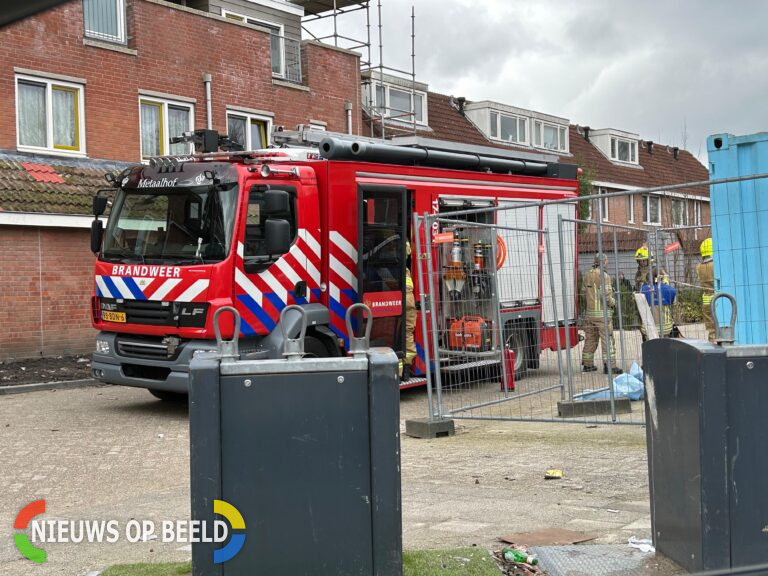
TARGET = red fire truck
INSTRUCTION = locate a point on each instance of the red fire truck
(320, 227)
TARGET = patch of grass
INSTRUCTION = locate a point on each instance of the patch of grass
(160, 569)
(458, 562)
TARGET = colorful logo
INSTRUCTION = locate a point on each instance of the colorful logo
(22, 521)
(132, 531)
(236, 542)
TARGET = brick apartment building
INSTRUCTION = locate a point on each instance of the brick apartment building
(94, 85)
(613, 161)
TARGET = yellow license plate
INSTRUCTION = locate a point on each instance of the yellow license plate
(113, 316)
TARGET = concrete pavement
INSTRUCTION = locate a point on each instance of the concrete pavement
(118, 453)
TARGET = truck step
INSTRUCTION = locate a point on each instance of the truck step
(415, 381)
(452, 368)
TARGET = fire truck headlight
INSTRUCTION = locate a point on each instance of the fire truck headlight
(202, 352)
(102, 347)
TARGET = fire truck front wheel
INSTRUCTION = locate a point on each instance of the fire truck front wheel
(319, 347)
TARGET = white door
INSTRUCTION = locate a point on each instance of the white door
(565, 262)
(518, 277)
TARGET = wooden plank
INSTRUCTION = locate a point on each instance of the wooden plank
(646, 317)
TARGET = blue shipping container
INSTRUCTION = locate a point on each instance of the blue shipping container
(740, 230)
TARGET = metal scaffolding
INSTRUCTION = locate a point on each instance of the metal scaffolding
(372, 75)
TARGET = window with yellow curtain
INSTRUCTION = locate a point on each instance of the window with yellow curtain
(161, 120)
(251, 132)
(49, 115)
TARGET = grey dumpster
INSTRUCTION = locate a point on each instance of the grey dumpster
(307, 450)
(707, 434)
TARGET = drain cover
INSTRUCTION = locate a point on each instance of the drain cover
(602, 560)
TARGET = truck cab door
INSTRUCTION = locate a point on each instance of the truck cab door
(382, 233)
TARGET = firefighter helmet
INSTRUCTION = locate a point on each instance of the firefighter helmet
(642, 253)
(598, 258)
(706, 248)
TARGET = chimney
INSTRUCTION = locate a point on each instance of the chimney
(675, 152)
(461, 101)
(649, 145)
(586, 132)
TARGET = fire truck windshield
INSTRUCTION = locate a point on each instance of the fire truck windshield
(171, 225)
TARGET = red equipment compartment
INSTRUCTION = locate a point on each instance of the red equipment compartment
(470, 333)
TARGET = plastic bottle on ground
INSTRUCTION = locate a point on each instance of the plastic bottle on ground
(512, 555)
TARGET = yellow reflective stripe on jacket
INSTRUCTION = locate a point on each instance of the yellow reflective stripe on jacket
(706, 298)
(593, 284)
(666, 318)
(408, 279)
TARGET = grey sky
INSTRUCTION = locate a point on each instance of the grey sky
(647, 66)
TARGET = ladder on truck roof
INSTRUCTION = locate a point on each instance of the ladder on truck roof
(410, 150)
(420, 151)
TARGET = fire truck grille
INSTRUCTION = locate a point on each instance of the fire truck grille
(147, 312)
(135, 347)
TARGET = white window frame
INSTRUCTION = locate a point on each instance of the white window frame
(49, 148)
(517, 117)
(387, 108)
(120, 38)
(248, 117)
(633, 150)
(237, 17)
(601, 191)
(165, 102)
(685, 212)
(631, 209)
(697, 211)
(647, 209)
(538, 128)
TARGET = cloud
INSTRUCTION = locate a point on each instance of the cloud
(647, 67)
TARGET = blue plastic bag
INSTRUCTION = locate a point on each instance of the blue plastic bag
(624, 386)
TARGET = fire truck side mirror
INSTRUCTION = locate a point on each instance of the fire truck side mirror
(99, 204)
(276, 202)
(278, 236)
(97, 231)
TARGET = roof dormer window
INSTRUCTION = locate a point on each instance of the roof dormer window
(509, 128)
(550, 136)
(399, 103)
(519, 127)
(623, 150)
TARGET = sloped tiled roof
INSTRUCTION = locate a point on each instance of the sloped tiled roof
(658, 168)
(39, 184)
(655, 169)
(630, 240)
(625, 240)
(43, 173)
(445, 123)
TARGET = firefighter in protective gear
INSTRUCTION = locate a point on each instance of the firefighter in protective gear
(706, 274)
(595, 329)
(410, 319)
(642, 258)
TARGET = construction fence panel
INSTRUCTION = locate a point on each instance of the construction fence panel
(537, 315)
(679, 258)
(485, 285)
(502, 315)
